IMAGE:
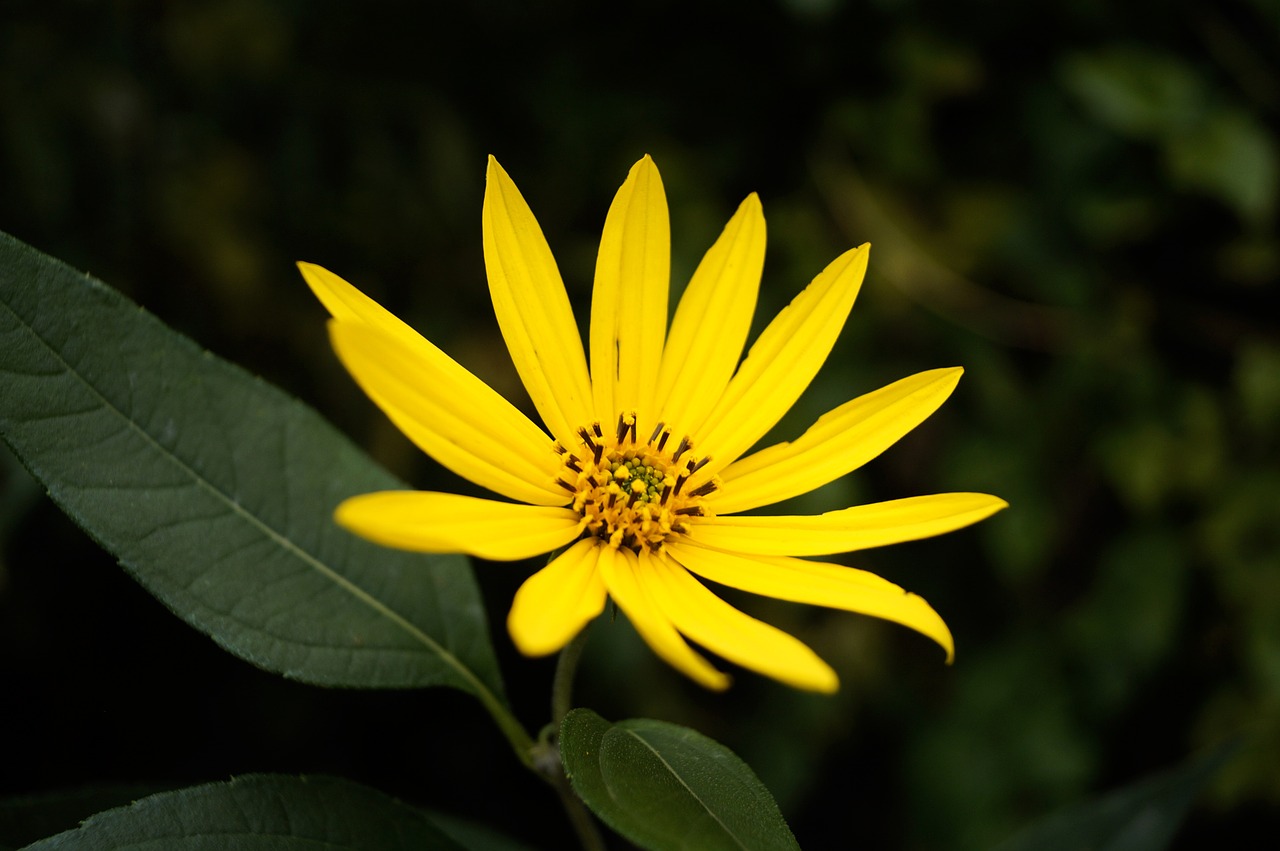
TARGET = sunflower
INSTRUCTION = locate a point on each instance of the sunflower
(640, 485)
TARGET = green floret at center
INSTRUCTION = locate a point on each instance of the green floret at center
(641, 481)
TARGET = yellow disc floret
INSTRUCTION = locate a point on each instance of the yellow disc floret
(633, 494)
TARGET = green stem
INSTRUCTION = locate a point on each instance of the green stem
(562, 685)
(551, 765)
(543, 757)
(583, 824)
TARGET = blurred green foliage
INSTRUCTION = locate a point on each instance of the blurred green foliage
(1075, 201)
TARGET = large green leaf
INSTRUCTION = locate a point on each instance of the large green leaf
(267, 812)
(215, 490)
(664, 786)
(1141, 817)
(26, 819)
(30, 817)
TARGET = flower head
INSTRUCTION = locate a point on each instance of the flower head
(643, 477)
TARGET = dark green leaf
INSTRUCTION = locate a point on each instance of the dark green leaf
(33, 817)
(1230, 155)
(260, 812)
(1141, 817)
(215, 490)
(667, 787)
(1136, 90)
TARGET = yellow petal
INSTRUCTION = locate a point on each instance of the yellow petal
(533, 309)
(840, 441)
(347, 304)
(554, 604)
(737, 637)
(817, 584)
(856, 528)
(712, 321)
(781, 363)
(453, 416)
(429, 522)
(628, 587)
(629, 301)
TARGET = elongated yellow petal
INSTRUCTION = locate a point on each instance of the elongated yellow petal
(722, 629)
(629, 300)
(781, 363)
(629, 589)
(533, 309)
(711, 323)
(347, 304)
(429, 522)
(818, 584)
(856, 528)
(840, 441)
(453, 416)
(554, 604)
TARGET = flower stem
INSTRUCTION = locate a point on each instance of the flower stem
(551, 765)
(543, 756)
(583, 825)
(562, 685)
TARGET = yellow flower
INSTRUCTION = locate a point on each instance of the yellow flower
(643, 476)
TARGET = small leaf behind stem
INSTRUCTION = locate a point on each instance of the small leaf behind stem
(664, 786)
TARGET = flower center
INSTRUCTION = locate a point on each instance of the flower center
(633, 494)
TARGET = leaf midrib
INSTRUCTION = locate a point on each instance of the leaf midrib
(728, 832)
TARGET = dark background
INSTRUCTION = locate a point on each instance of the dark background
(1076, 201)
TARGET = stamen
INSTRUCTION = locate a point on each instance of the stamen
(704, 489)
(628, 493)
(662, 442)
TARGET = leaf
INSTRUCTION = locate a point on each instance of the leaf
(1140, 817)
(260, 812)
(1138, 91)
(215, 490)
(31, 817)
(663, 786)
(1230, 155)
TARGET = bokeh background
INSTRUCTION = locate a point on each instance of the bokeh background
(1076, 201)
